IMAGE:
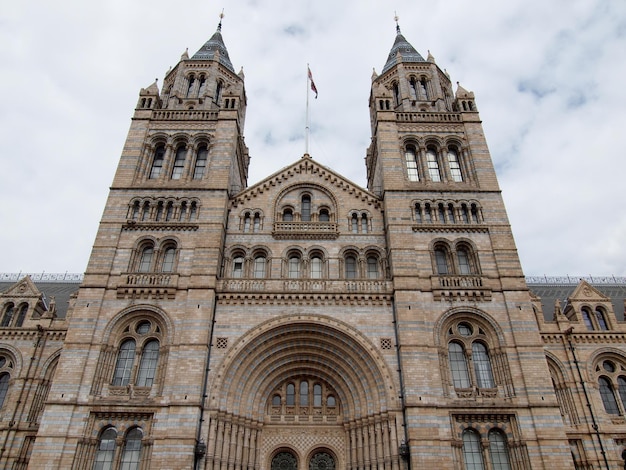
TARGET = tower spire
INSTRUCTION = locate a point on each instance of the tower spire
(219, 25)
(396, 18)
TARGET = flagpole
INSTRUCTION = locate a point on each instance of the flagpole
(306, 130)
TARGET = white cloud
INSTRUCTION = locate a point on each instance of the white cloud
(72, 73)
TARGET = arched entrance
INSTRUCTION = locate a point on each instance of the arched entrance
(308, 384)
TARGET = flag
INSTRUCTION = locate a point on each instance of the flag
(313, 87)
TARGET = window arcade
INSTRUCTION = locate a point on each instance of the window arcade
(150, 258)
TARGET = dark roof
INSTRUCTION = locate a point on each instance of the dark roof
(549, 293)
(61, 291)
(408, 53)
(216, 43)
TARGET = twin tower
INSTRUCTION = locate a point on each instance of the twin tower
(302, 322)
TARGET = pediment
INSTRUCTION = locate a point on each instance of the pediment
(24, 288)
(316, 174)
(585, 292)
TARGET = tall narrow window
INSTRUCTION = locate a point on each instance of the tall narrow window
(168, 260)
(8, 315)
(474, 211)
(202, 87)
(148, 364)
(458, 365)
(472, 452)
(317, 395)
(364, 223)
(145, 213)
(441, 215)
(135, 211)
(131, 454)
(410, 155)
(246, 222)
(424, 88)
(304, 393)
(21, 315)
(218, 92)
(350, 267)
(179, 162)
(306, 208)
(464, 264)
(355, 223)
(324, 216)
(433, 165)
(201, 159)
(316, 267)
(455, 166)
(193, 211)
(257, 222)
(601, 319)
(396, 94)
(587, 319)
(450, 214)
(294, 267)
(157, 161)
(621, 388)
(169, 211)
(482, 366)
(413, 88)
(291, 394)
(191, 82)
(464, 214)
(287, 215)
(259, 267)
(372, 267)
(428, 214)
(4, 387)
(106, 450)
(124, 364)
(498, 450)
(441, 258)
(159, 213)
(238, 267)
(145, 261)
(183, 211)
(418, 213)
(608, 397)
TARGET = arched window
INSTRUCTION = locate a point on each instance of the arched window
(396, 93)
(4, 387)
(450, 214)
(276, 400)
(106, 450)
(135, 211)
(351, 270)
(331, 401)
(433, 165)
(21, 315)
(474, 212)
(322, 461)
(464, 214)
(424, 88)
(441, 214)
(287, 215)
(190, 84)
(621, 388)
(418, 213)
(410, 155)
(179, 162)
(304, 393)
(306, 208)
(291, 394)
(257, 222)
(428, 214)
(201, 160)
(259, 266)
(482, 366)
(472, 452)
(355, 223)
(157, 161)
(464, 262)
(441, 258)
(218, 92)
(317, 395)
(202, 87)
(372, 267)
(183, 211)
(124, 364)
(294, 266)
(324, 216)
(148, 364)
(169, 211)
(238, 266)
(498, 450)
(131, 454)
(413, 88)
(284, 461)
(246, 222)
(193, 211)
(458, 365)
(145, 260)
(159, 214)
(364, 226)
(145, 213)
(8, 315)
(455, 166)
(601, 319)
(608, 396)
(586, 315)
(316, 267)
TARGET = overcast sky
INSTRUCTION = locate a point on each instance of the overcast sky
(549, 78)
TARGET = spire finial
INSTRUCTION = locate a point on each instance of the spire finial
(219, 26)
(396, 18)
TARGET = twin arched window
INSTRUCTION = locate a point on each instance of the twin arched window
(8, 316)
(474, 457)
(241, 268)
(612, 386)
(469, 358)
(107, 457)
(146, 355)
(149, 259)
(462, 261)
(359, 223)
(6, 368)
(596, 321)
(252, 222)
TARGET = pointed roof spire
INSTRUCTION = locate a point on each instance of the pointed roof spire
(213, 46)
(402, 46)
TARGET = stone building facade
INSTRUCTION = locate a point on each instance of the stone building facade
(304, 321)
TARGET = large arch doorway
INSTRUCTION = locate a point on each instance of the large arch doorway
(309, 387)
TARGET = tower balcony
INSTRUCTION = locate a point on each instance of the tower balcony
(305, 230)
(469, 287)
